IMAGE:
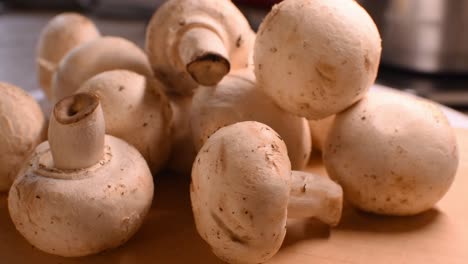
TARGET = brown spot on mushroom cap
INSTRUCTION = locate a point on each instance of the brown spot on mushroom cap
(239, 41)
(222, 156)
(367, 63)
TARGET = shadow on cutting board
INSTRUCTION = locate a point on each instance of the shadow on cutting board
(167, 236)
(359, 221)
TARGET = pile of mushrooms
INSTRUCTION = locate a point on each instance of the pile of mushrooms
(236, 111)
(375, 146)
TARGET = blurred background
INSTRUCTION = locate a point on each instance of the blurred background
(425, 47)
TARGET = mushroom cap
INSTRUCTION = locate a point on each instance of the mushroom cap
(182, 148)
(63, 33)
(316, 58)
(237, 98)
(82, 212)
(135, 110)
(175, 17)
(392, 154)
(91, 58)
(240, 189)
(22, 127)
(319, 130)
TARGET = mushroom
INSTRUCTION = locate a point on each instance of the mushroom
(392, 154)
(63, 33)
(182, 148)
(136, 110)
(238, 98)
(315, 58)
(100, 55)
(22, 127)
(319, 130)
(197, 42)
(81, 192)
(243, 190)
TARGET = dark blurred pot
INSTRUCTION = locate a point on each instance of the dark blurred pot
(260, 3)
(423, 35)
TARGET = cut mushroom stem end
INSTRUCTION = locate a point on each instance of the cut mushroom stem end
(76, 132)
(315, 196)
(204, 55)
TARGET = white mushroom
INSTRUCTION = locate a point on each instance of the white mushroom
(243, 188)
(22, 127)
(81, 192)
(197, 42)
(100, 55)
(392, 154)
(317, 57)
(136, 110)
(237, 98)
(63, 33)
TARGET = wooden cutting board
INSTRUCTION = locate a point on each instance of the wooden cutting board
(169, 236)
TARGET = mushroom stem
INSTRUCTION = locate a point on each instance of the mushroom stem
(315, 196)
(76, 132)
(204, 55)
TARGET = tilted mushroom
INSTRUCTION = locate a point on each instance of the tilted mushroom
(99, 55)
(197, 42)
(238, 98)
(182, 148)
(243, 188)
(319, 130)
(22, 127)
(392, 154)
(81, 192)
(63, 33)
(315, 58)
(136, 110)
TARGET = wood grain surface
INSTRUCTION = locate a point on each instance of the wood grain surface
(169, 236)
